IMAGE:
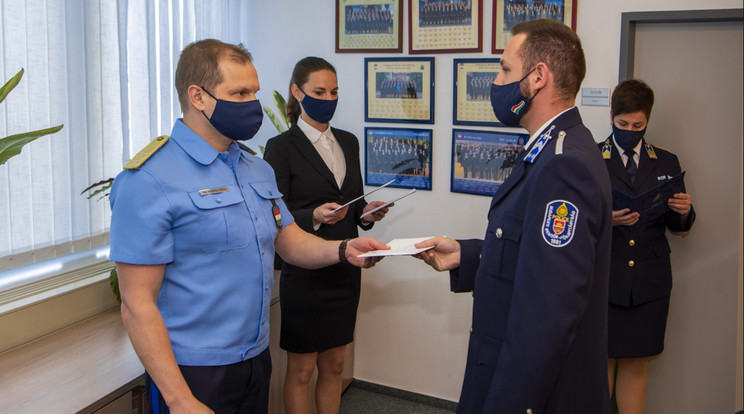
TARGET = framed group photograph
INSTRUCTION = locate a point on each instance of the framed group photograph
(483, 160)
(399, 90)
(369, 26)
(402, 154)
(445, 26)
(472, 91)
(508, 13)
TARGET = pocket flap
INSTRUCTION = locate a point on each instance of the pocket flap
(266, 190)
(507, 227)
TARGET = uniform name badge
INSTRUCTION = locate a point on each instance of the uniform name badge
(560, 223)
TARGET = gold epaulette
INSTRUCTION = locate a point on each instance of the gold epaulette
(146, 152)
(650, 151)
(246, 148)
(607, 149)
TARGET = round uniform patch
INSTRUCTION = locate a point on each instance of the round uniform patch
(560, 223)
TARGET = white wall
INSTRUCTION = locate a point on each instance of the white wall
(411, 332)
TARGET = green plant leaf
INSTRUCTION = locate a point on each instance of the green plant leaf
(114, 282)
(11, 146)
(262, 149)
(5, 90)
(274, 120)
(103, 183)
(281, 106)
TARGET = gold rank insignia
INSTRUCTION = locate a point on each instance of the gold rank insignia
(607, 149)
(146, 152)
(650, 151)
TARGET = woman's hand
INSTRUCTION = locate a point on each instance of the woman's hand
(324, 214)
(625, 217)
(377, 215)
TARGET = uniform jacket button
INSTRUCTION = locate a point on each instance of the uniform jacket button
(499, 232)
(631, 243)
(631, 263)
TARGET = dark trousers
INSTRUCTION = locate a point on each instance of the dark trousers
(237, 388)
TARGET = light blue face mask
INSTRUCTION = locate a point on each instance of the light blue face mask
(239, 121)
(508, 103)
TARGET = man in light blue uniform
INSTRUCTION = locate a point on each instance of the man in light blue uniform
(195, 223)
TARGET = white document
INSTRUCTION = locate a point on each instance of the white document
(399, 247)
(413, 190)
(364, 195)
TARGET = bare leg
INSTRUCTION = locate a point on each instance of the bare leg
(611, 364)
(632, 385)
(328, 387)
(300, 368)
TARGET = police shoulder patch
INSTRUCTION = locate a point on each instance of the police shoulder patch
(560, 222)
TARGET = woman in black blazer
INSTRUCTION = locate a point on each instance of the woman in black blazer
(640, 270)
(317, 170)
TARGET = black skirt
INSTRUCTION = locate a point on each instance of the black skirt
(318, 307)
(637, 331)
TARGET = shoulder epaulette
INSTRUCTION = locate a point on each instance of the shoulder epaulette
(607, 149)
(650, 151)
(246, 148)
(559, 143)
(146, 152)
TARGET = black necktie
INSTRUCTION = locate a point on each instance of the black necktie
(631, 166)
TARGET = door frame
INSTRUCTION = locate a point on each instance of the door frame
(631, 19)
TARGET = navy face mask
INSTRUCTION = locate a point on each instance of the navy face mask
(236, 120)
(627, 139)
(319, 110)
(508, 103)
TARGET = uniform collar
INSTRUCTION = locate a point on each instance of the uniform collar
(194, 145)
(545, 125)
(637, 148)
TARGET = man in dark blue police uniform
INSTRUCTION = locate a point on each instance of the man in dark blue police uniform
(195, 222)
(539, 279)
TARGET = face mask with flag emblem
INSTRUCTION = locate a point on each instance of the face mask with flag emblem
(508, 103)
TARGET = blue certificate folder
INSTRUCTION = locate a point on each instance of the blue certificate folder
(652, 203)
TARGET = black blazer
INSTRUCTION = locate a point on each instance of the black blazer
(640, 268)
(306, 182)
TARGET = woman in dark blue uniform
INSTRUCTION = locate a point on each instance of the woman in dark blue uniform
(641, 272)
(317, 170)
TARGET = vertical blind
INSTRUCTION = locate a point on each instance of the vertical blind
(105, 70)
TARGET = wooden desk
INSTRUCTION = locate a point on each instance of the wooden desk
(80, 369)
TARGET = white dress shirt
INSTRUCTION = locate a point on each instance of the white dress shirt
(328, 148)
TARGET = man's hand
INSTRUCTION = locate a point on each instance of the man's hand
(680, 203)
(444, 256)
(323, 214)
(191, 406)
(377, 215)
(360, 245)
(624, 217)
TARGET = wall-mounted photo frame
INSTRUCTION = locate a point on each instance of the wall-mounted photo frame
(508, 13)
(472, 91)
(369, 26)
(399, 90)
(483, 160)
(445, 26)
(403, 154)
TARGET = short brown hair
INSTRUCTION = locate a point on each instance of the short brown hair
(556, 45)
(199, 65)
(630, 96)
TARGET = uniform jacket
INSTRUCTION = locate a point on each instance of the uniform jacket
(307, 182)
(641, 270)
(539, 281)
